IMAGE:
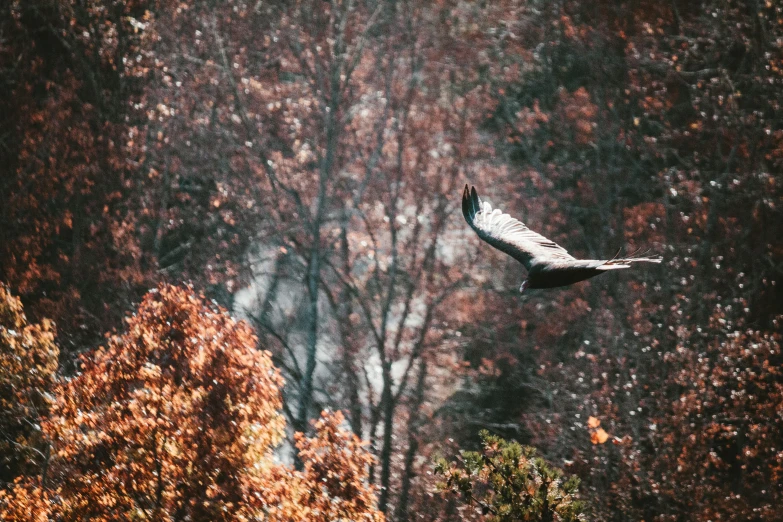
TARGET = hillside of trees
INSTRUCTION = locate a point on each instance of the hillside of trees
(236, 284)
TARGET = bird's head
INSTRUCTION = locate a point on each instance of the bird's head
(523, 286)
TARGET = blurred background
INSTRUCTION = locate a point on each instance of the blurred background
(301, 163)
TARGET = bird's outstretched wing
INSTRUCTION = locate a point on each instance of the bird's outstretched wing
(509, 235)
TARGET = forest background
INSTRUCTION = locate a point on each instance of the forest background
(300, 164)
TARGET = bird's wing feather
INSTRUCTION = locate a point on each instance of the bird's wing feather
(509, 235)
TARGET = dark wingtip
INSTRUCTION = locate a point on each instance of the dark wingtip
(471, 204)
(474, 199)
(466, 206)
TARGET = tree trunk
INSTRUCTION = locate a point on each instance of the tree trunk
(387, 406)
(414, 423)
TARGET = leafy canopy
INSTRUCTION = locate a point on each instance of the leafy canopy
(28, 362)
(508, 482)
(178, 419)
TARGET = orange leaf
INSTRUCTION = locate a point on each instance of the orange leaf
(599, 436)
(592, 422)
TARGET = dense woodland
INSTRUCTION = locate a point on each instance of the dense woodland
(236, 283)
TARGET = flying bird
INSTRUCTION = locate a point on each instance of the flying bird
(548, 264)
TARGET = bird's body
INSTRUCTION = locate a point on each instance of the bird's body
(548, 264)
(552, 276)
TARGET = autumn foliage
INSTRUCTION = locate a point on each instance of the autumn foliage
(299, 163)
(28, 365)
(178, 418)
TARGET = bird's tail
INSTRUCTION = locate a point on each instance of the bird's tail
(626, 262)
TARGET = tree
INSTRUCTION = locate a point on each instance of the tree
(508, 482)
(28, 363)
(68, 244)
(718, 442)
(90, 218)
(178, 418)
(335, 482)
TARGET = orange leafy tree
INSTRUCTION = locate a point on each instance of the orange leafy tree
(177, 419)
(28, 362)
